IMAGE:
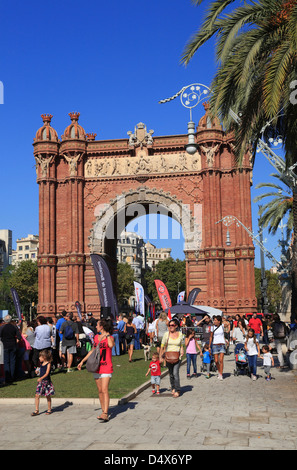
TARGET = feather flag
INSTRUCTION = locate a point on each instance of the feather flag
(163, 294)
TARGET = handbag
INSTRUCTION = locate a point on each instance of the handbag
(172, 357)
(93, 362)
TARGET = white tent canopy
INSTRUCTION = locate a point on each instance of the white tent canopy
(211, 311)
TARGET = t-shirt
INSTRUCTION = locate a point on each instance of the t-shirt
(105, 366)
(42, 337)
(206, 329)
(8, 335)
(218, 335)
(206, 357)
(155, 368)
(58, 327)
(252, 349)
(69, 342)
(267, 359)
(173, 344)
(191, 348)
(255, 324)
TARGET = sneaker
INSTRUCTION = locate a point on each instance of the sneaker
(158, 393)
(254, 377)
(153, 391)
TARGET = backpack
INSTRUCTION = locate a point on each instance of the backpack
(68, 332)
(279, 330)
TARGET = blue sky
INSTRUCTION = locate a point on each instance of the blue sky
(111, 61)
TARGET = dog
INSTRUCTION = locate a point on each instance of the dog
(147, 351)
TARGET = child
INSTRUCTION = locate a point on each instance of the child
(155, 370)
(253, 351)
(191, 352)
(268, 361)
(207, 359)
(44, 383)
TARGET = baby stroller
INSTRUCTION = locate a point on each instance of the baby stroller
(241, 360)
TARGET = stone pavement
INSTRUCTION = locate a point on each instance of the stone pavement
(236, 413)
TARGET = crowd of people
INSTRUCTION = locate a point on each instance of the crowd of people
(65, 342)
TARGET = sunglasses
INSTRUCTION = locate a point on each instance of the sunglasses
(173, 324)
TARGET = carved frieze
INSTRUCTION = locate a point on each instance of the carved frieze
(141, 165)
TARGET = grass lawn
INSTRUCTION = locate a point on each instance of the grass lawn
(80, 384)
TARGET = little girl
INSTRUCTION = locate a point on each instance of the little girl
(44, 384)
(191, 352)
(253, 351)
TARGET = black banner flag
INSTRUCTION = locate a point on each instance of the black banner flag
(104, 283)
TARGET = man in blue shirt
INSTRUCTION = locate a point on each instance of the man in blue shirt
(60, 335)
(121, 326)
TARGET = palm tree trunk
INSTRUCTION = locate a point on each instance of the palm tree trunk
(294, 259)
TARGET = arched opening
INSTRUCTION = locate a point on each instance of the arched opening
(113, 218)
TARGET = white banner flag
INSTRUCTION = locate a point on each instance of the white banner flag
(139, 294)
(181, 296)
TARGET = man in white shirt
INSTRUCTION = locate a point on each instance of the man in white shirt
(139, 323)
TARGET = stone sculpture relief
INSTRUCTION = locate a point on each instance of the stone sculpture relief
(72, 161)
(210, 153)
(44, 163)
(142, 165)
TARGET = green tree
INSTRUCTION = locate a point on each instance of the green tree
(6, 302)
(256, 50)
(24, 278)
(172, 273)
(274, 291)
(125, 279)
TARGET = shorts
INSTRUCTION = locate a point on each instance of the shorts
(69, 349)
(155, 379)
(101, 376)
(218, 349)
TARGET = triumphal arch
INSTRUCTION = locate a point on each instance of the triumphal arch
(90, 189)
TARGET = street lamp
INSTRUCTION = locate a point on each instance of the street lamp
(190, 97)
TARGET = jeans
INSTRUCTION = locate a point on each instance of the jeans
(253, 364)
(174, 376)
(191, 358)
(9, 363)
(137, 342)
(116, 348)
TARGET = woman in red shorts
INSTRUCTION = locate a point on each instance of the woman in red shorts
(103, 375)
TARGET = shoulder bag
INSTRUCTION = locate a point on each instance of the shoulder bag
(93, 362)
(172, 357)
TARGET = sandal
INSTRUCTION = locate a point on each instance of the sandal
(104, 417)
(35, 413)
(175, 395)
(49, 412)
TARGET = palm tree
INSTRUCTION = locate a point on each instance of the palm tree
(279, 205)
(256, 51)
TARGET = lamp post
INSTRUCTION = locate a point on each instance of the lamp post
(283, 267)
(263, 285)
(190, 97)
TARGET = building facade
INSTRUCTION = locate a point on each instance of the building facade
(5, 248)
(26, 249)
(89, 190)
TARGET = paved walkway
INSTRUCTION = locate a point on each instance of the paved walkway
(236, 413)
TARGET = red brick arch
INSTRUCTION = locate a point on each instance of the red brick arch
(88, 187)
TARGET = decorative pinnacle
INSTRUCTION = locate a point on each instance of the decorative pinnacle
(46, 118)
(74, 116)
